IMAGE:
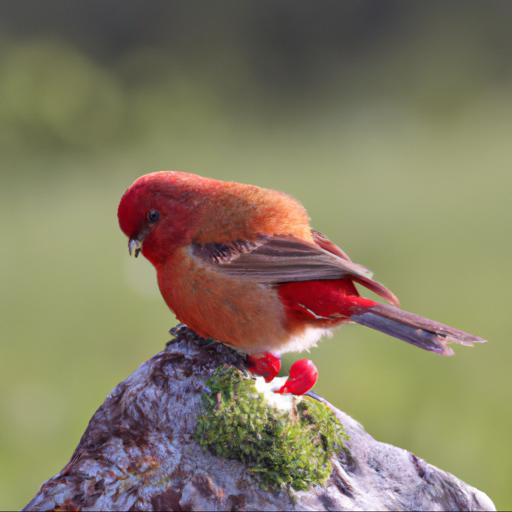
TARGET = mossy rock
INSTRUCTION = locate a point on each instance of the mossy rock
(290, 448)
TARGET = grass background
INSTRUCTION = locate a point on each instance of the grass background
(405, 162)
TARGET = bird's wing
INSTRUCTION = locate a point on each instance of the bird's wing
(321, 240)
(367, 281)
(274, 260)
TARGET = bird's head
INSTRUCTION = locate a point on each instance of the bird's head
(159, 212)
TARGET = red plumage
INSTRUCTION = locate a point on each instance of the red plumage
(242, 265)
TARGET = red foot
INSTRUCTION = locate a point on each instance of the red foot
(267, 365)
(303, 376)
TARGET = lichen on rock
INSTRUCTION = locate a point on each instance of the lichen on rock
(283, 448)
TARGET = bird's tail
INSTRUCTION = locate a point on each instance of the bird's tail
(419, 331)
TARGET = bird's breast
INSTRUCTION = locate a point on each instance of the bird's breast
(239, 312)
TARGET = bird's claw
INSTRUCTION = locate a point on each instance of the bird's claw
(303, 373)
(266, 366)
(303, 376)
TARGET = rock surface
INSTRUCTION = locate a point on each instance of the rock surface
(139, 453)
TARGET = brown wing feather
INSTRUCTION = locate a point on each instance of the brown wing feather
(321, 240)
(365, 281)
(279, 259)
(283, 259)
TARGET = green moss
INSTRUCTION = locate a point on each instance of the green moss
(282, 448)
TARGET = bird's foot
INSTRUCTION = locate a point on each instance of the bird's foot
(303, 376)
(266, 365)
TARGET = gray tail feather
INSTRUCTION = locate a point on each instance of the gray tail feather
(419, 331)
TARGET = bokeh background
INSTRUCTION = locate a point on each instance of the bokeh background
(390, 120)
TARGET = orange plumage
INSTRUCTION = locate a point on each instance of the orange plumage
(242, 265)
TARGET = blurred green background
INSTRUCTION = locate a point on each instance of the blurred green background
(391, 121)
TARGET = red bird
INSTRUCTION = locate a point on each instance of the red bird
(241, 264)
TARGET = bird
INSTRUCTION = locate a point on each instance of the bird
(242, 265)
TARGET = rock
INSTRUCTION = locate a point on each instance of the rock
(139, 452)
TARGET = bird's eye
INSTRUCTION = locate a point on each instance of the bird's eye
(153, 216)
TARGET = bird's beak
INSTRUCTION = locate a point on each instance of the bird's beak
(134, 246)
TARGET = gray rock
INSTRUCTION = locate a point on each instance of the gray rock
(138, 453)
